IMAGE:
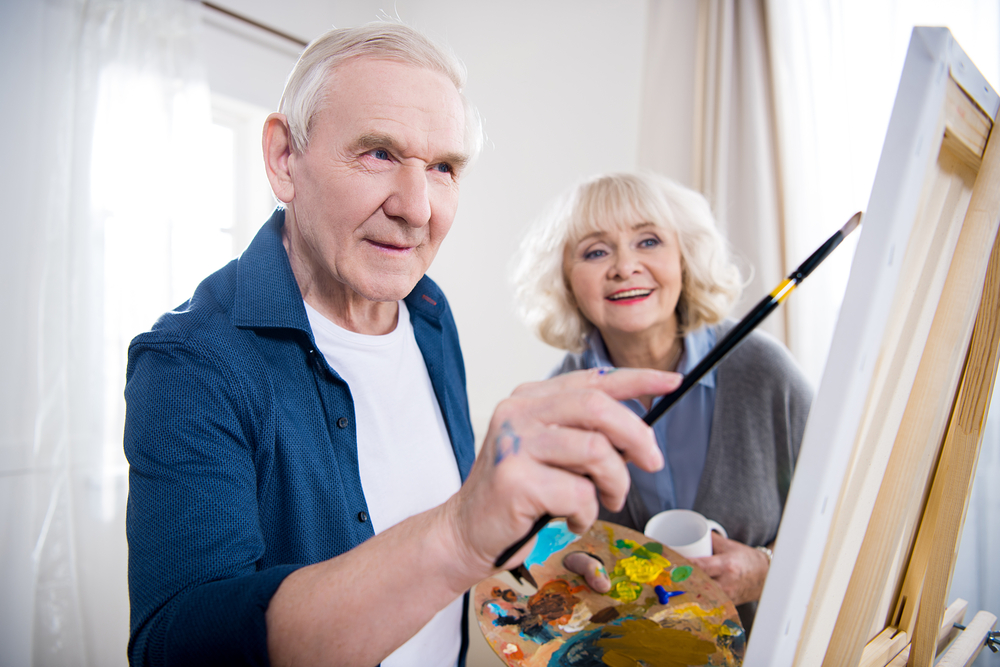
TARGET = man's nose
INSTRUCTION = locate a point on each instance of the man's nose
(409, 199)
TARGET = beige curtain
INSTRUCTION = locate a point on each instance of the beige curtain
(734, 161)
(708, 121)
(740, 101)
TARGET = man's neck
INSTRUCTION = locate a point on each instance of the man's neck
(372, 318)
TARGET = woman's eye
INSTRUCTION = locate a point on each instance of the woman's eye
(594, 254)
(651, 242)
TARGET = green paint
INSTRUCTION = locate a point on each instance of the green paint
(680, 573)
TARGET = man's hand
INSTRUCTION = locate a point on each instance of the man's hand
(554, 447)
(740, 570)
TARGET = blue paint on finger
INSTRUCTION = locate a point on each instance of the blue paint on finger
(508, 443)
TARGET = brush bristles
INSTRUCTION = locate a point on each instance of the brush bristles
(851, 224)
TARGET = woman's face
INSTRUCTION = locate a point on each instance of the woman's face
(627, 281)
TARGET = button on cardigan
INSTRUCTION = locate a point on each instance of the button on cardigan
(243, 456)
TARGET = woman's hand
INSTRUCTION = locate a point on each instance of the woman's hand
(740, 570)
(592, 569)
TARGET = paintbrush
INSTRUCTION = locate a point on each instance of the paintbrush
(712, 359)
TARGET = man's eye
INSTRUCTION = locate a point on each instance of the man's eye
(380, 154)
(443, 167)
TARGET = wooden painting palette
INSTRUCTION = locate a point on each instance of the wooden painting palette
(661, 611)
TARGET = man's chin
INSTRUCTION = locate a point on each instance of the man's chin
(389, 290)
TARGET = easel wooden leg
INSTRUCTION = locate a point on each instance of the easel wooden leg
(960, 452)
(970, 642)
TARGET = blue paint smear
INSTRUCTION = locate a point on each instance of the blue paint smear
(580, 651)
(663, 594)
(497, 609)
(538, 631)
(551, 539)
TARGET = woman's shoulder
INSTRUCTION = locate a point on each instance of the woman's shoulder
(760, 357)
(757, 348)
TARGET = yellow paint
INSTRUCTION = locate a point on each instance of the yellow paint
(638, 569)
(659, 560)
(626, 591)
(690, 610)
(611, 540)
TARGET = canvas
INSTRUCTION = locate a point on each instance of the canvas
(897, 364)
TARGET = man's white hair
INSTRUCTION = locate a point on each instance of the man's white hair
(305, 90)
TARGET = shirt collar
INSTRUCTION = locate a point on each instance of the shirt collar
(697, 345)
(267, 295)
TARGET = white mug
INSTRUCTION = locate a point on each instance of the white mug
(685, 531)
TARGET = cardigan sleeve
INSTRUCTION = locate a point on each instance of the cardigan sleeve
(762, 401)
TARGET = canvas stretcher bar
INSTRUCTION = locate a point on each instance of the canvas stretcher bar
(916, 444)
(900, 271)
(960, 453)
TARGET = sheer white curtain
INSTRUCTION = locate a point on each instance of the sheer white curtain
(104, 106)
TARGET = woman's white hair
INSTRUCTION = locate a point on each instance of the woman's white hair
(305, 89)
(711, 281)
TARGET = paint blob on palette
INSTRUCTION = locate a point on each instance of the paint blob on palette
(660, 612)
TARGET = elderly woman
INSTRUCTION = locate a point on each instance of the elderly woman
(628, 270)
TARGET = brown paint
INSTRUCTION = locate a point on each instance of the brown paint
(508, 595)
(641, 639)
(605, 615)
(554, 601)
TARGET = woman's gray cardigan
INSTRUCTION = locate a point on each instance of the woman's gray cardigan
(761, 404)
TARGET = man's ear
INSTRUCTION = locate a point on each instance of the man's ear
(277, 142)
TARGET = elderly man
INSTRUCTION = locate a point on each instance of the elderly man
(302, 486)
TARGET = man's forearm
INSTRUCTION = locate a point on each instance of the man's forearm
(341, 611)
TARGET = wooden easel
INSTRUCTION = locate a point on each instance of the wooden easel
(904, 508)
(878, 561)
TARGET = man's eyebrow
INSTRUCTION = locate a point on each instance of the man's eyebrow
(372, 140)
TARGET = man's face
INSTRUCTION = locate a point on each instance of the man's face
(376, 190)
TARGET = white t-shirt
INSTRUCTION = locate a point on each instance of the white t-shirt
(405, 456)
